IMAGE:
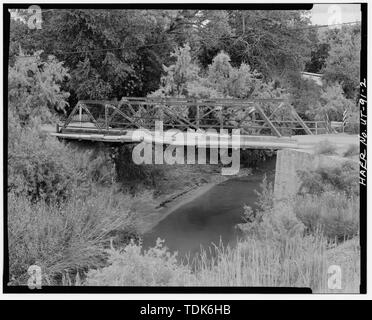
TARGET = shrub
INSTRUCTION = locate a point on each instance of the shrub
(331, 213)
(269, 222)
(41, 167)
(325, 147)
(328, 200)
(343, 178)
(38, 165)
(353, 123)
(35, 87)
(64, 239)
(297, 262)
(130, 267)
(275, 251)
(352, 150)
(332, 104)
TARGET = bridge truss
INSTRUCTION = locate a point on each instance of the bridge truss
(262, 117)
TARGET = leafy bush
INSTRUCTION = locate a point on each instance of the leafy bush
(352, 150)
(41, 167)
(269, 222)
(274, 252)
(331, 213)
(343, 178)
(332, 104)
(297, 262)
(353, 123)
(328, 200)
(34, 88)
(343, 62)
(130, 267)
(325, 147)
(66, 238)
(305, 93)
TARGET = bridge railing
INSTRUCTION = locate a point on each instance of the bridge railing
(253, 117)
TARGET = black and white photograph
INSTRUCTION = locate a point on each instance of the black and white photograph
(184, 148)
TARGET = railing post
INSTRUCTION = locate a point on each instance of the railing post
(161, 113)
(197, 116)
(106, 117)
(316, 127)
(221, 117)
(80, 114)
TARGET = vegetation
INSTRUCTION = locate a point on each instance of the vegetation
(343, 60)
(325, 147)
(352, 150)
(65, 239)
(290, 245)
(298, 262)
(261, 54)
(341, 178)
(331, 213)
(328, 200)
(69, 211)
(63, 203)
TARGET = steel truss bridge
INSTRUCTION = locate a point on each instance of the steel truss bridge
(263, 123)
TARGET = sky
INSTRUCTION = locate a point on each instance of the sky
(322, 14)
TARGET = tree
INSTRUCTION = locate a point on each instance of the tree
(34, 88)
(110, 53)
(332, 104)
(211, 34)
(318, 58)
(305, 94)
(343, 62)
(116, 53)
(178, 75)
(272, 42)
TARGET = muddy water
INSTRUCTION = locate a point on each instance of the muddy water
(212, 217)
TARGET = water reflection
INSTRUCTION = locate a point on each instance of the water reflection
(210, 218)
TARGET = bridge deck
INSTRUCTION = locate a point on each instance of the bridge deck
(248, 142)
(193, 139)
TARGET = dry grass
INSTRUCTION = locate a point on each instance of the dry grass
(297, 262)
(64, 239)
(334, 214)
(347, 256)
(275, 251)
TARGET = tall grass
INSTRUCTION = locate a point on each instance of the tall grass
(297, 262)
(334, 214)
(64, 238)
(283, 244)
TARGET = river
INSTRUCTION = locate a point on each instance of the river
(211, 217)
